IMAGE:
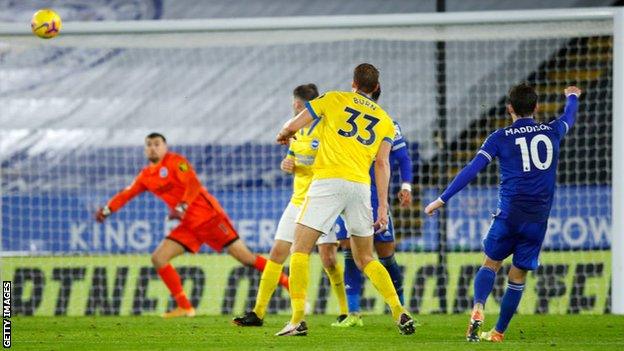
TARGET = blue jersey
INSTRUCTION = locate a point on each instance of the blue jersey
(399, 155)
(528, 154)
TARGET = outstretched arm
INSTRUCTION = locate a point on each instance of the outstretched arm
(566, 121)
(572, 94)
(293, 125)
(463, 178)
(120, 199)
(314, 110)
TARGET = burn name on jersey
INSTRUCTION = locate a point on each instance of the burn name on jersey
(366, 102)
(526, 129)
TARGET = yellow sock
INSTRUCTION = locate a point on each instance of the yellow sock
(268, 283)
(336, 278)
(298, 282)
(378, 274)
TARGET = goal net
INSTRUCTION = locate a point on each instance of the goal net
(75, 111)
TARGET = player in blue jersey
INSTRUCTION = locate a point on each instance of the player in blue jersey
(384, 241)
(528, 153)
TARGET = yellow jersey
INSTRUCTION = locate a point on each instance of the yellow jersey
(303, 150)
(350, 128)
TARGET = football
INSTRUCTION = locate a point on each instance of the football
(46, 23)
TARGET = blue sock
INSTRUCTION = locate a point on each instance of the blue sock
(353, 282)
(395, 274)
(483, 285)
(509, 304)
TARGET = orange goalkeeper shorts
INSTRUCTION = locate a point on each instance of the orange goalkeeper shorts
(217, 232)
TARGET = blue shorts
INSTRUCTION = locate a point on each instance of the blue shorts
(384, 237)
(523, 240)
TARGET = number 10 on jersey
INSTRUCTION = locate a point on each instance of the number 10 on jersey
(533, 155)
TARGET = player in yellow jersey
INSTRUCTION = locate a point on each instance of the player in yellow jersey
(353, 131)
(301, 154)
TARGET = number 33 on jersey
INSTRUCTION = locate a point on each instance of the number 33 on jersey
(351, 127)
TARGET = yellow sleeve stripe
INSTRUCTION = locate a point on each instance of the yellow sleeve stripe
(388, 140)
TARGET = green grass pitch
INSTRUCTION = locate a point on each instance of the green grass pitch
(436, 332)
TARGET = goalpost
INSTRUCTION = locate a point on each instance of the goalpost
(75, 109)
(617, 239)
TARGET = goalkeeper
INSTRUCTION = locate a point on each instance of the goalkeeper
(170, 177)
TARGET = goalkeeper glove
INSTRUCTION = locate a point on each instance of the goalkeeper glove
(178, 211)
(102, 213)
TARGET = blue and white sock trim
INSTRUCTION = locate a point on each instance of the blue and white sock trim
(348, 254)
(514, 286)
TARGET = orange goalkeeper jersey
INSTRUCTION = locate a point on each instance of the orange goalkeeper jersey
(173, 180)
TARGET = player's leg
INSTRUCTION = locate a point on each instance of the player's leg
(167, 250)
(509, 304)
(483, 285)
(280, 251)
(271, 276)
(278, 255)
(305, 239)
(525, 258)
(385, 248)
(323, 203)
(484, 282)
(385, 252)
(511, 298)
(242, 254)
(327, 251)
(354, 280)
(219, 234)
(362, 248)
(299, 277)
(497, 245)
(268, 282)
(284, 236)
(359, 222)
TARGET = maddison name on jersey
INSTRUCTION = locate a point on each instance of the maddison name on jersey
(526, 129)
